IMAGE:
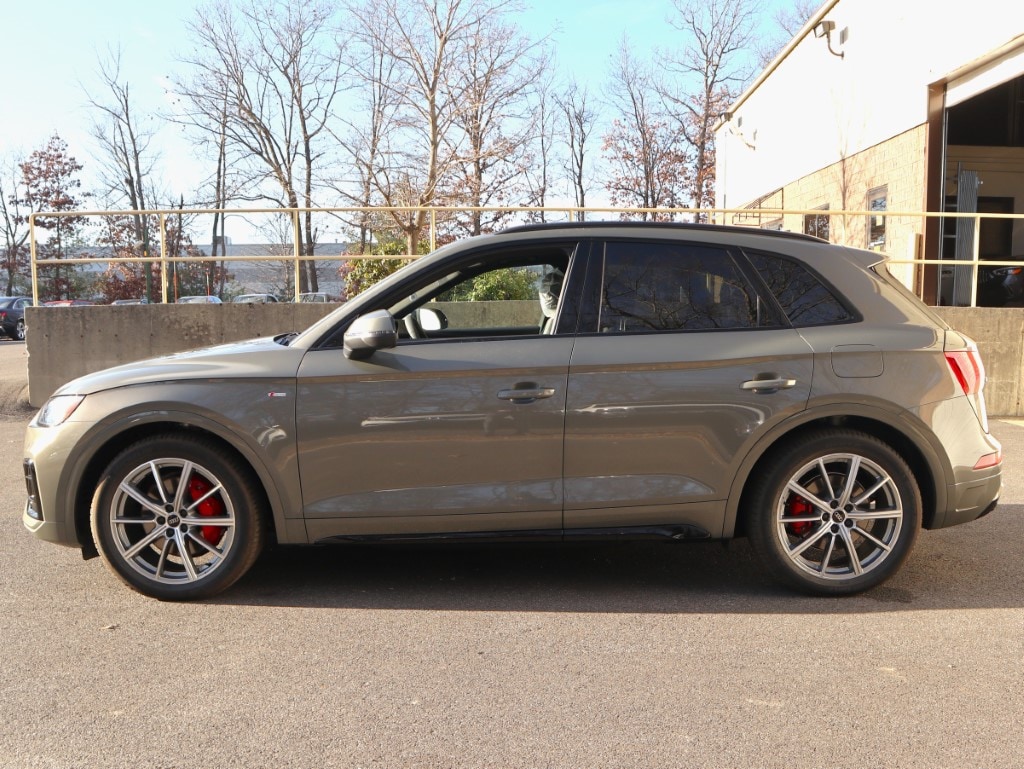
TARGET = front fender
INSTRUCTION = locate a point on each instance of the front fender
(258, 424)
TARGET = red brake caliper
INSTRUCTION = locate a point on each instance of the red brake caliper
(197, 487)
(798, 507)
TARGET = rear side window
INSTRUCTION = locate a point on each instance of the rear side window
(650, 287)
(803, 297)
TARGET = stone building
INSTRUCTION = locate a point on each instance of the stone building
(904, 106)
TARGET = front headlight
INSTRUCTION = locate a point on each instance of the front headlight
(58, 409)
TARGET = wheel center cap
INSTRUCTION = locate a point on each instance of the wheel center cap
(838, 516)
(173, 520)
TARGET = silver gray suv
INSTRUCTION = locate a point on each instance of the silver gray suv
(549, 382)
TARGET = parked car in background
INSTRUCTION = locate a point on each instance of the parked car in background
(142, 300)
(12, 316)
(318, 296)
(679, 382)
(1001, 286)
(68, 303)
(201, 299)
(254, 299)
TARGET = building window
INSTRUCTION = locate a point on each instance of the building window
(878, 200)
(817, 224)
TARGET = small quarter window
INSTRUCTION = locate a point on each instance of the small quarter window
(803, 297)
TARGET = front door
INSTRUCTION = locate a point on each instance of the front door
(457, 429)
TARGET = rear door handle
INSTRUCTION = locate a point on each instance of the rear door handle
(768, 385)
(527, 394)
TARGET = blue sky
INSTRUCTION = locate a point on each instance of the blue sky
(52, 49)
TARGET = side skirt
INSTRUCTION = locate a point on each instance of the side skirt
(671, 532)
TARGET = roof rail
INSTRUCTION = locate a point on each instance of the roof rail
(605, 224)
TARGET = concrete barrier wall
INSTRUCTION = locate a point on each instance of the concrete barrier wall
(66, 342)
(999, 333)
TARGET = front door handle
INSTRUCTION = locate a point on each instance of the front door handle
(768, 385)
(527, 392)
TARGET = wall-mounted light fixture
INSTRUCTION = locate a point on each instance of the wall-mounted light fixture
(825, 29)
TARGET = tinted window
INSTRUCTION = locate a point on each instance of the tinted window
(671, 287)
(803, 297)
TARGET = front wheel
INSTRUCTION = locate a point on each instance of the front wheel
(176, 519)
(835, 513)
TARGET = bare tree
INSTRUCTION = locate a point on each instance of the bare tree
(280, 275)
(425, 44)
(787, 20)
(708, 74)
(14, 220)
(276, 68)
(541, 153)
(366, 130)
(126, 162)
(580, 118)
(645, 151)
(499, 67)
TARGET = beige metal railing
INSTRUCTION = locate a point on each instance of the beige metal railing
(902, 247)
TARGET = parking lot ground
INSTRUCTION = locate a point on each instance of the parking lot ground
(640, 655)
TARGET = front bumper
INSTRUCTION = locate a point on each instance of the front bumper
(49, 509)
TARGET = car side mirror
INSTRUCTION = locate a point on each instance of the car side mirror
(431, 319)
(374, 331)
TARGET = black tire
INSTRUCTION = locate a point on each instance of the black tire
(177, 519)
(853, 525)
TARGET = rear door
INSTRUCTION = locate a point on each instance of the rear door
(679, 363)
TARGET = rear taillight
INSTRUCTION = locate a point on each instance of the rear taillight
(969, 372)
(967, 369)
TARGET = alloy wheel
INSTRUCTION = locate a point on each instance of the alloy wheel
(172, 521)
(839, 516)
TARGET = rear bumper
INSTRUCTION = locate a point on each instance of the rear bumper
(972, 498)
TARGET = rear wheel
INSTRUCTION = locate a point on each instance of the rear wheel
(19, 330)
(835, 513)
(176, 519)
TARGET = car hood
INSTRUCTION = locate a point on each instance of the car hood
(253, 359)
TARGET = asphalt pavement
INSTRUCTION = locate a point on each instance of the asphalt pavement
(639, 655)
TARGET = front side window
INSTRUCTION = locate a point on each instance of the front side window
(651, 287)
(508, 294)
